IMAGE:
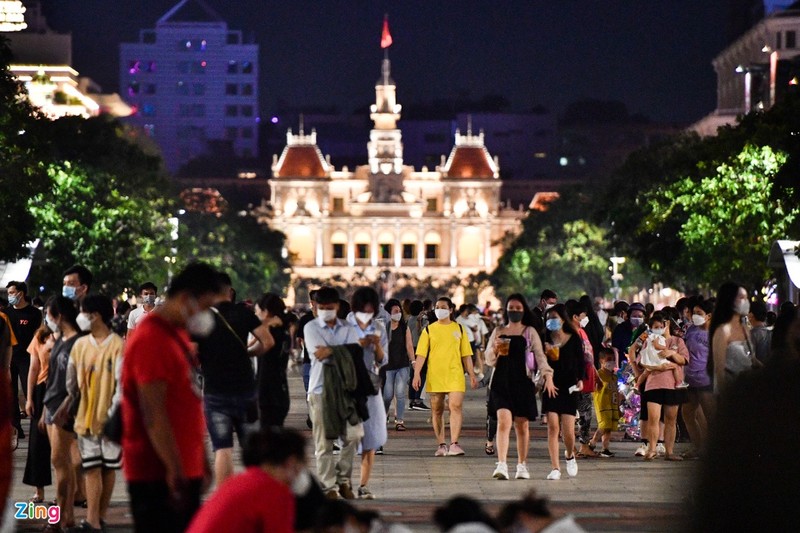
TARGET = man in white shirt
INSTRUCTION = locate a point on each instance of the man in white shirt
(147, 299)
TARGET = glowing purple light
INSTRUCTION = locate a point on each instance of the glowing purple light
(274, 120)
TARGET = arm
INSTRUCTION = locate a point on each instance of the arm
(33, 374)
(409, 346)
(466, 360)
(543, 365)
(680, 354)
(489, 357)
(381, 345)
(720, 343)
(264, 340)
(61, 416)
(152, 400)
(422, 354)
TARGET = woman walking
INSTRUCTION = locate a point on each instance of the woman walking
(564, 350)
(37, 466)
(731, 346)
(273, 385)
(515, 351)
(401, 354)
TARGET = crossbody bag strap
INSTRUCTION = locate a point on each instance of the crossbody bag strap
(230, 328)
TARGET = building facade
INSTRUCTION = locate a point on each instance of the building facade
(439, 223)
(194, 85)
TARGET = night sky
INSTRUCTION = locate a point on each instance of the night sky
(653, 55)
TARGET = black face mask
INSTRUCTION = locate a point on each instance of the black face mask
(514, 316)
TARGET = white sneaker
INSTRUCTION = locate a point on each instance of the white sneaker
(501, 472)
(661, 451)
(554, 475)
(641, 450)
(572, 467)
(522, 472)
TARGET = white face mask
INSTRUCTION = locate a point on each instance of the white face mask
(326, 315)
(698, 320)
(302, 483)
(201, 324)
(397, 317)
(84, 321)
(657, 331)
(609, 366)
(52, 324)
(364, 318)
(441, 314)
(742, 307)
(584, 321)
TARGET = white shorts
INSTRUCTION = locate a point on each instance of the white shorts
(99, 451)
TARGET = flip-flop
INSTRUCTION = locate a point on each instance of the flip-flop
(673, 457)
(400, 426)
(649, 456)
(489, 449)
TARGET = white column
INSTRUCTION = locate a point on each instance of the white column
(373, 247)
(320, 250)
(351, 248)
(453, 246)
(421, 247)
(488, 246)
(398, 247)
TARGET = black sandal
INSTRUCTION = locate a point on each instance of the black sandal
(489, 449)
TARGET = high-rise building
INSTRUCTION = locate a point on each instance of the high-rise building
(194, 84)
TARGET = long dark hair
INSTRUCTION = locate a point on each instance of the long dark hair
(566, 320)
(527, 314)
(65, 309)
(723, 313)
(274, 305)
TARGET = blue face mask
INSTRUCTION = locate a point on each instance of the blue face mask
(553, 324)
(13, 300)
(69, 292)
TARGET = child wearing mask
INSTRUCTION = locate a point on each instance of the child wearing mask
(606, 400)
(654, 353)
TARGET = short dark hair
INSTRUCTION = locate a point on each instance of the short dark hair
(273, 446)
(327, 295)
(224, 279)
(59, 306)
(21, 286)
(147, 285)
(621, 306)
(84, 276)
(548, 294)
(391, 303)
(607, 352)
(415, 308)
(363, 296)
(758, 308)
(574, 308)
(97, 303)
(272, 303)
(198, 279)
(312, 295)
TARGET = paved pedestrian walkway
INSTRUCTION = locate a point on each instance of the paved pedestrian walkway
(617, 494)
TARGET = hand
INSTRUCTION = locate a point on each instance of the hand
(473, 381)
(176, 483)
(365, 342)
(416, 382)
(61, 417)
(29, 407)
(579, 384)
(323, 352)
(41, 425)
(207, 476)
(550, 388)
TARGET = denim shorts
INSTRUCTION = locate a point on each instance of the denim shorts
(226, 413)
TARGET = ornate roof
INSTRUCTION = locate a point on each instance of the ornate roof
(301, 158)
(470, 159)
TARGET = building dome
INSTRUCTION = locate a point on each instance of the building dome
(470, 159)
(301, 158)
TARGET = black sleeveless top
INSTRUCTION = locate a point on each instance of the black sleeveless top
(398, 356)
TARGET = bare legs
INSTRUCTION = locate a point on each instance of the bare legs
(60, 455)
(567, 423)
(455, 403)
(504, 421)
(223, 465)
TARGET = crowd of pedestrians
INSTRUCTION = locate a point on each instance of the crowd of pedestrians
(141, 389)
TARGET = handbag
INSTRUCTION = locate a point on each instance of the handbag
(112, 429)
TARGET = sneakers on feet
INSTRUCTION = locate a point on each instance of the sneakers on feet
(346, 491)
(455, 449)
(501, 472)
(441, 451)
(606, 453)
(333, 494)
(419, 406)
(572, 467)
(682, 385)
(522, 472)
(641, 450)
(379, 451)
(554, 475)
(365, 494)
(661, 451)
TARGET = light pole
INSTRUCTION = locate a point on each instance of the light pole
(616, 277)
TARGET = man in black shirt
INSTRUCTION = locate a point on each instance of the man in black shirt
(229, 397)
(25, 320)
(547, 300)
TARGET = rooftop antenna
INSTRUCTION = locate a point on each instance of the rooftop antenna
(301, 124)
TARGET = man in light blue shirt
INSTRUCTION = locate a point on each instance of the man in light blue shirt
(320, 334)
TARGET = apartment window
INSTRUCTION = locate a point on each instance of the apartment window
(233, 38)
(409, 251)
(778, 41)
(133, 88)
(151, 66)
(432, 205)
(338, 251)
(247, 133)
(150, 88)
(791, 39)
(247, 111)
(247, 67)
(362, 251)
(431, 251)
(149, 110)
(231, 132)
(191, 132)
(233, 67)
(338, 205)
(231, 111)
(385, 251)
(192, 110)
(247, 89)
(231, 89)
(149, 37)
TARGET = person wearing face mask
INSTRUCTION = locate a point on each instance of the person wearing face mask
(275, 472)
(60, 316)
(578, 313)
(564, 349)
(401, 353)
(445, 346)
(147, 298)
(653, 355)
(629, 329)
(698, 408)
(375, 343)
(77, 283)
(162, 411)
(93, 386)
(25, 320)
(732, 349)
(547, 300)
(606, 400)
(512, 394)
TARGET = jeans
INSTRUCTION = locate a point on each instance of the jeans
(306, 375)
(396, 385)
(226, 413)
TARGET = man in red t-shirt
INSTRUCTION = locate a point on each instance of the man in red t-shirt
(260, 499)
(163, 428)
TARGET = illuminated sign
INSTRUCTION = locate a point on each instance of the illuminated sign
(12, 16)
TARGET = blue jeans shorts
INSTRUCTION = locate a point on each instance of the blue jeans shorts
(226, 413)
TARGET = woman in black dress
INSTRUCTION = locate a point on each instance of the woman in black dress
(513, 395)
(564, 349)
(273, 386)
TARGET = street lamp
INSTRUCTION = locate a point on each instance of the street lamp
(616, 277)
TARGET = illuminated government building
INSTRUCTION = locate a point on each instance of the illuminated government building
(436, 223)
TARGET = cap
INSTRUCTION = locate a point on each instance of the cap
(636, 306)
